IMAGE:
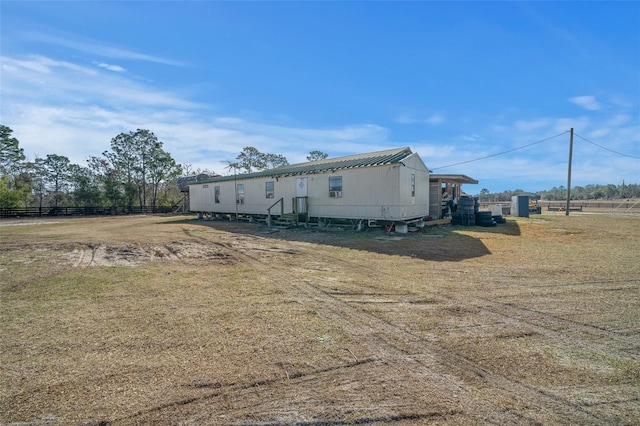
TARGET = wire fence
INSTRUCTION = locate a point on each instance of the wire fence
(81, 211)
(617, 205)
(592, 204)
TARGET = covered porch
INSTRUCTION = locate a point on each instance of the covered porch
(444, 192)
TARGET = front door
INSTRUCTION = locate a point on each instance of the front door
(301, 187)
(301, 194)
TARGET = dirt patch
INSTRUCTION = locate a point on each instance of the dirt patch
(135, 255)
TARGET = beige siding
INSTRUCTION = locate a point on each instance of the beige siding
(200, 198)
(227, 202)
(381, 193)
(366, 193)
(255, 196)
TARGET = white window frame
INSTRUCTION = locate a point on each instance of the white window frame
(240, 193)
(413, 184)
(335, 190)
(270, 193)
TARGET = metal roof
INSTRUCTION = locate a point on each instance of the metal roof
(452, 178)
(379, 158)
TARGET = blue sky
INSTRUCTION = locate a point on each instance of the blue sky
(454, 81)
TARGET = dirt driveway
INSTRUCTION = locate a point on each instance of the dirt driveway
(167, 320)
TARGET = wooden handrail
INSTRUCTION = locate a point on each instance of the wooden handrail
(281, 201)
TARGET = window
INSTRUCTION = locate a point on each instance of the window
(216, 194)
(269, 189)
(240, 195)
(205, 186)
(413, 184)
(335, 187)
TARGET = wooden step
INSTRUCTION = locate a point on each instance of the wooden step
(287, 220)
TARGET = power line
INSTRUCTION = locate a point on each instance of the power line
(501, 153)
(605, 148)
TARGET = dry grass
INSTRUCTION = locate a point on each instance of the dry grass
(167, 320)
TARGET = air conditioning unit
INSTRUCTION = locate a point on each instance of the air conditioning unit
(335, 194)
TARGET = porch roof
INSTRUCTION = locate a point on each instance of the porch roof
(451, 178)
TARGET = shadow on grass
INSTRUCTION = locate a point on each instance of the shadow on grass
(438, 243)
(511, 227)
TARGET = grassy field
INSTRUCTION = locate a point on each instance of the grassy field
(170, 320)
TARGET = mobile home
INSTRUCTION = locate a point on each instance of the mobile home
(390, 186)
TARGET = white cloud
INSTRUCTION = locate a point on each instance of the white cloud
(619, 120)
(599, 133)
(433, 119)
(62, 108)
(228, 120)
(17, 65)
(621, 102)
(44, 80)
(109, 67)
(97, 48)
(578, 124)
(41, 65)
(405, 119)
(63, 64)
(587, 102)
(530, 125)
(472, 138)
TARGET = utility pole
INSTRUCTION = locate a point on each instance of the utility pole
(235, 184)
(569, 173)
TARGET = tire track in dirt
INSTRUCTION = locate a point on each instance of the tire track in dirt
(228, 248)
(398, 343)
(241, 392)
(395, 336)
(544, 323)
(240, 248)
(186, 252)
(85, 260)
(434, 364)
(549, 326)
(174, 252)
(554, 326)
(244, 392)
(569, 333)
(585, 283)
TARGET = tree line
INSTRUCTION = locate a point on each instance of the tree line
(588, 192)
(135, 172)
(252, 160)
